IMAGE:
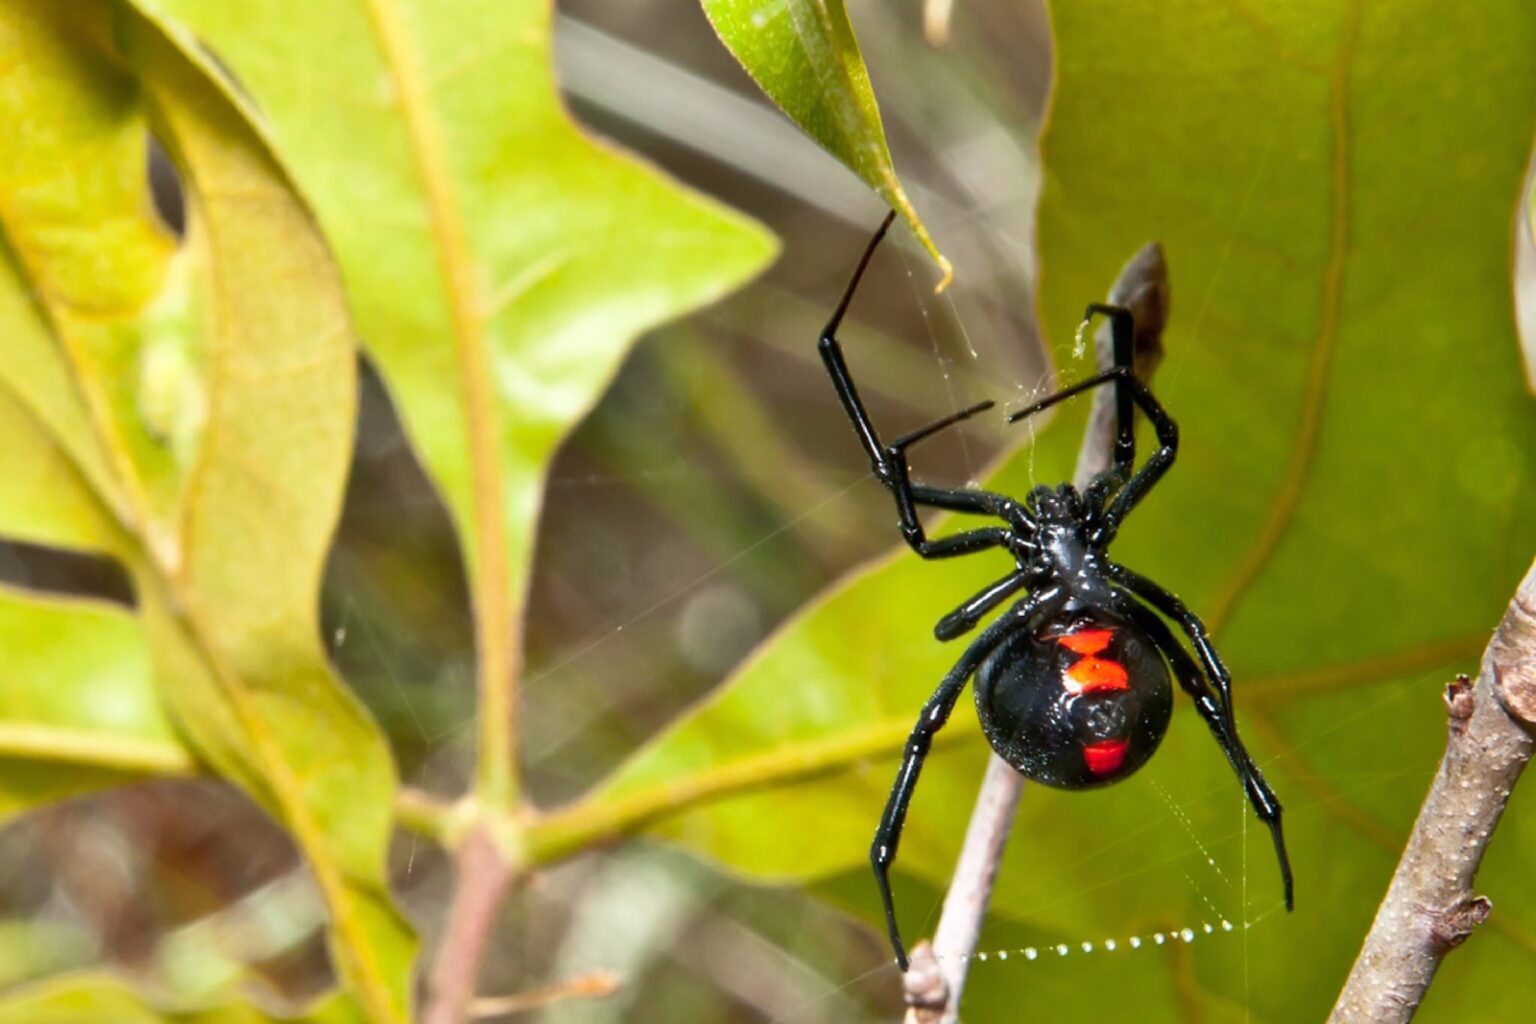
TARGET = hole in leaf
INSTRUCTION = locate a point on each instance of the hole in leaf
(165, 188)
(51, 570)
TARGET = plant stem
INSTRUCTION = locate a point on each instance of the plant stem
(934, 984)
(1429, 908)
(600, 819)
(482, 875)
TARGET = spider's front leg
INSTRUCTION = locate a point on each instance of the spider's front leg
(889, 460)
(882, 852)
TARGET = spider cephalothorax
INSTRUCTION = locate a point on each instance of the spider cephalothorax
(1074, 680)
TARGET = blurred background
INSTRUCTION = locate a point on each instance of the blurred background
(714, 490)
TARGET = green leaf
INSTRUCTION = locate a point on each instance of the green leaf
(194, 404)
(78, 708)
(498, 262)
(1354, 500)
(97, 998)
(804, 56)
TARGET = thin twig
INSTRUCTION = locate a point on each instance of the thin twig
(482, 874)
(934, 983)
(594, 985)
(1430, 908)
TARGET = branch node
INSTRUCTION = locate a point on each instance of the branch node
(1459, 702)
(1450, 926)
(923, 986)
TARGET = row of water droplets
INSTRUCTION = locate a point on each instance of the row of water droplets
(1062, 949)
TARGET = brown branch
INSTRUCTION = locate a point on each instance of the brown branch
(483, 873)
(1429, 908)
(936, 979)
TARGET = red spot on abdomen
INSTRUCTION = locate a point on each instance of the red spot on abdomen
(1106, 756)
(1091, 674)
(1087, 641)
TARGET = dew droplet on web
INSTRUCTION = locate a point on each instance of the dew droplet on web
(1079, 343)
(1187, 934)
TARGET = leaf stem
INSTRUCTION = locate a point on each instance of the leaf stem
(599, 819)
(426, 815)
(496, 779)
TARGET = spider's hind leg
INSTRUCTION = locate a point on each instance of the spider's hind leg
(882, 852)
(1217, 713)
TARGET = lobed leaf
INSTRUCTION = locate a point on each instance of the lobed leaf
(191, 405)
(498, 262)
(1354, 501)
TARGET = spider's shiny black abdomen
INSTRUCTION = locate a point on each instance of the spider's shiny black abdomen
(1081, 701)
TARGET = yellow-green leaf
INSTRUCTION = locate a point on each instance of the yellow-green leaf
(1354, 500)
(498, 262)
(78, 708)
(202, 395)
(101, 998)
(804, 56)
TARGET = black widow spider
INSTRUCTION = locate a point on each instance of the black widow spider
(1072, 688)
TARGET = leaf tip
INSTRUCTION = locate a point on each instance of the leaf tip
(946, 269)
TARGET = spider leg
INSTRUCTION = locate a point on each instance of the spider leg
(1217, 713)
(966, 543)
(1157, 463)
(882, 852)
(889, 461)
(1188, 621)
(1122, 326)
(964, 618)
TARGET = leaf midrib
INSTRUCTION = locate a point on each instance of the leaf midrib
(93, 748)
(1303, 454)
(489, 571)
